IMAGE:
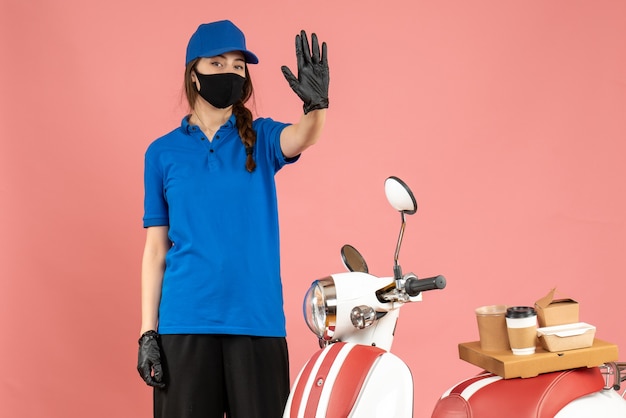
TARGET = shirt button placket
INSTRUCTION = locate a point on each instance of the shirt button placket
(212, 160)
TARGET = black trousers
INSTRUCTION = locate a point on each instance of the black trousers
(212, 376)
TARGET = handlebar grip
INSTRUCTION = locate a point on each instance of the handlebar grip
(414, 286)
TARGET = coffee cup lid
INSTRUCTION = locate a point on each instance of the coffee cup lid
(520, 312)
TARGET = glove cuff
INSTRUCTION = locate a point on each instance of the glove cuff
(148, 335)
(322, 104)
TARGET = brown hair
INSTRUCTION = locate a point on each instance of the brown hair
(243, 115)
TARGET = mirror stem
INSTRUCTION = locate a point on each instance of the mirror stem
(396, 268)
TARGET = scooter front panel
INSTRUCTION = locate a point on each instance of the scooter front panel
(297, 394)
(330, 383)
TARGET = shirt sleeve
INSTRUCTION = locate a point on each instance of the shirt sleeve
(155, 205)
(269, 132)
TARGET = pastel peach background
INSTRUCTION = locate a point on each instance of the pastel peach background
(507, 118)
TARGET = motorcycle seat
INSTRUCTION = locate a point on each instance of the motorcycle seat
(543, 396)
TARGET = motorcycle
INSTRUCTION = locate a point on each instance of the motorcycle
(354, 374)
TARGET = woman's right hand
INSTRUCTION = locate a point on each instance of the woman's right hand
(149, 362)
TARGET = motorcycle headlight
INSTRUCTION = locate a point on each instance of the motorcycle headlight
(320, 308)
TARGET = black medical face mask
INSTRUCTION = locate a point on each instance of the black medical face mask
(221, 90)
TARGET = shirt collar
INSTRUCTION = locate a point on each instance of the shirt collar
(189, 128)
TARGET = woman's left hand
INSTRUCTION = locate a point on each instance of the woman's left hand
(312, 82)
(149, 360)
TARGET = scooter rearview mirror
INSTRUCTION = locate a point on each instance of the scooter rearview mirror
(353, 260)
(400, 196)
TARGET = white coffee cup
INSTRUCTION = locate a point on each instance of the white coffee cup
(521, 323)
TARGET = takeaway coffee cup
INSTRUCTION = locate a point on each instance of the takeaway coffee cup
(492, 328)
(521, 323)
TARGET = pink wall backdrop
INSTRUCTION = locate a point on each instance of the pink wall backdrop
(506, 118)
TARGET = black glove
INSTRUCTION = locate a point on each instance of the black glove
(313, 79)
(150, 359)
